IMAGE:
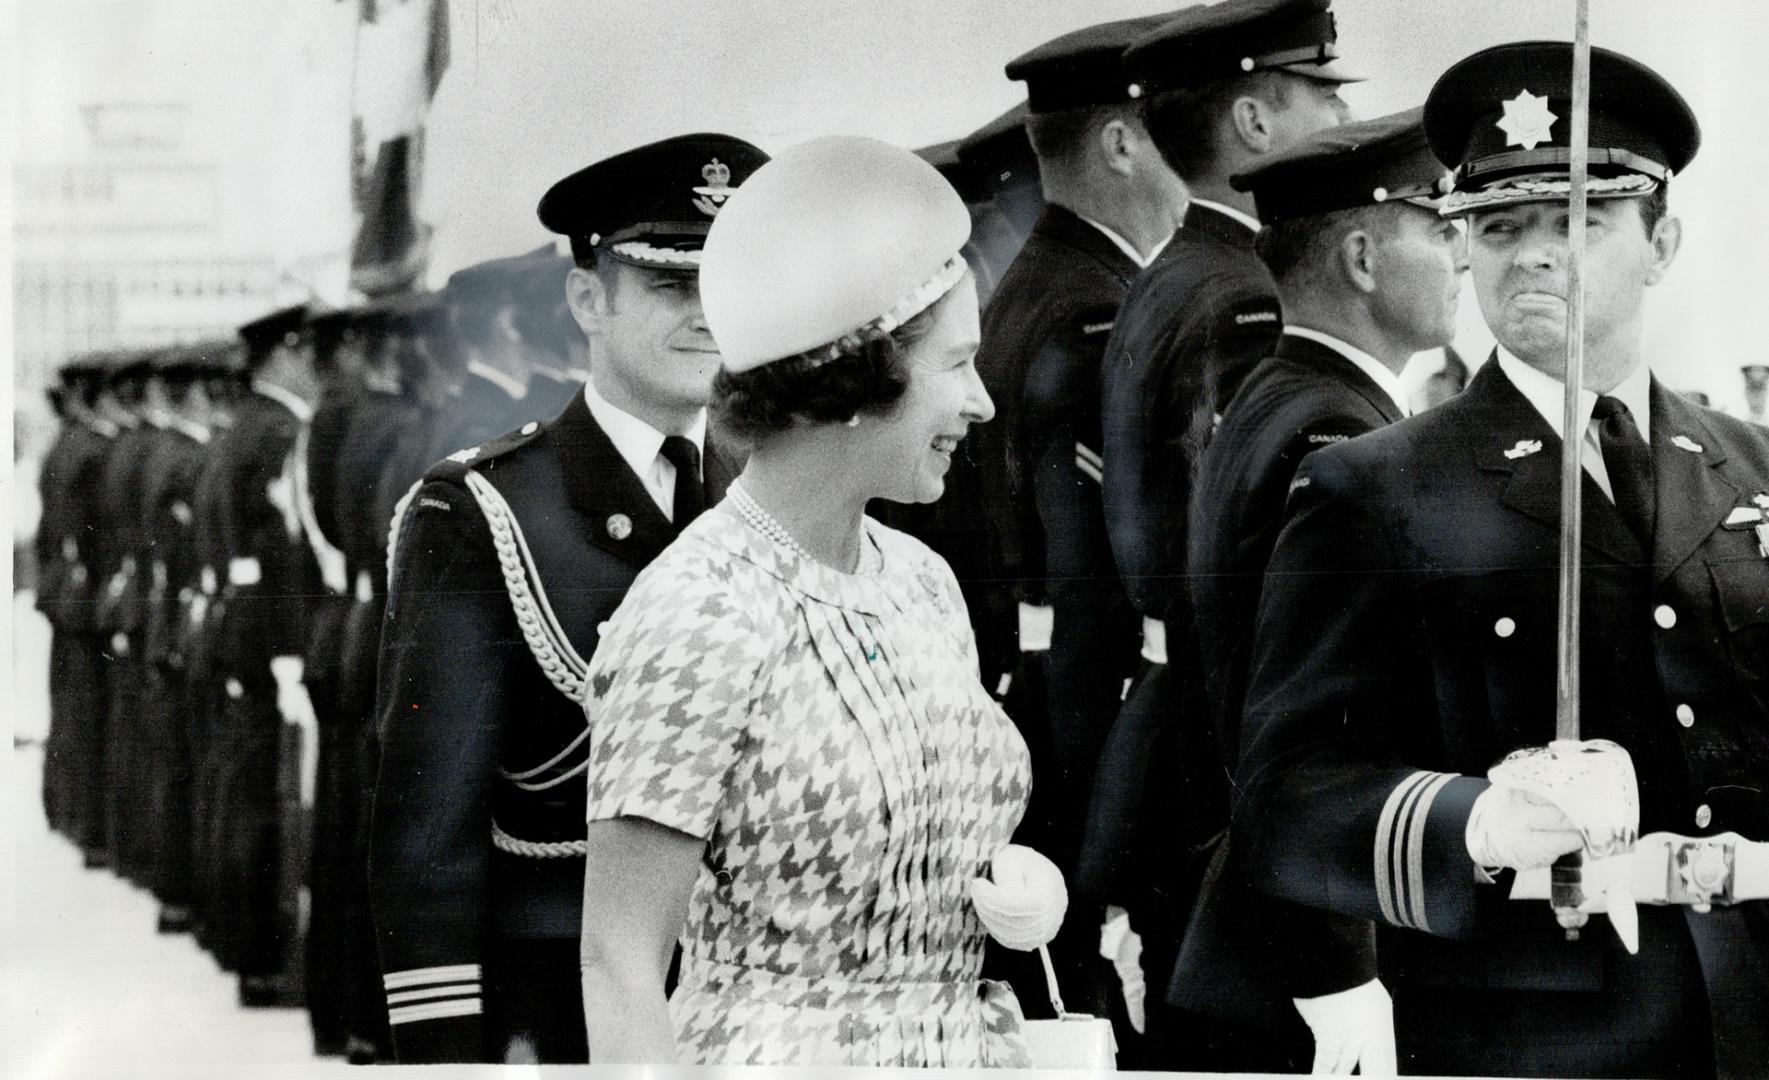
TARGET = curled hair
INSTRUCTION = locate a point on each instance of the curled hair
(864, 371)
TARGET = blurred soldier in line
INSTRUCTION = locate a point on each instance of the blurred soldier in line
(125, 576)
(339, 360)
(508, 559)
(200, 626)
(194, 380)
(1222, 87)
(270, 575)
(1110, 205)
(1369, 275)
(68, 552)
(366, 462)
(492, 396)
(553, 346)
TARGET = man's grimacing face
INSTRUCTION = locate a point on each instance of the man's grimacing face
(1518, 256)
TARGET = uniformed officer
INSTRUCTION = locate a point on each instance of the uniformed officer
(368, 461)
(1110, 205)
(270, 575)
(1222, 87)
(174, 574)
(1368, 273)
(120, 610)
(1406, 638)
(67, 551)
(508, 559)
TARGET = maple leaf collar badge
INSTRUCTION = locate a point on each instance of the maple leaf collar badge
(1526, 120)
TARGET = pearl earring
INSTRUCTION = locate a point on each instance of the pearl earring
(854, 420)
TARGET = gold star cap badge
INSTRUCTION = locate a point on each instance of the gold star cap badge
(1527, 120)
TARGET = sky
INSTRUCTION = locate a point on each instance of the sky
(538, 88)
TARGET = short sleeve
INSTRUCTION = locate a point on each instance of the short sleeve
(671, 690)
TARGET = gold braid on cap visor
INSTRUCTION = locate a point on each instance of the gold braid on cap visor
(918, 300)
(1537, 189)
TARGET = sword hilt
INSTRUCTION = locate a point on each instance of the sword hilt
(1566, 892)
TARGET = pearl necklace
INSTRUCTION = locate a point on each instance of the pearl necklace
(764, 522)
(769, 526)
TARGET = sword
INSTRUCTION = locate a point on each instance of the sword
(1567, 889)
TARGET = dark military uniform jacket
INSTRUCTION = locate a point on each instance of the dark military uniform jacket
(66, 541)
(270, 575)
(479, 815)
(1242, 957)
(1406, 643)
(1043, 336)
(1194, 324)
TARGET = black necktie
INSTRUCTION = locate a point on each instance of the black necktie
(690, 498)
(1628, 460)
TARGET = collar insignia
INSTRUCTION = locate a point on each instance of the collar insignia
(716, 190)
(1761, 499)
(1524, 448)
(1744, 515)
(620, 526)
(1526, 120)
(1684, 442)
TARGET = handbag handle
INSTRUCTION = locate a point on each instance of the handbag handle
(1056, 996)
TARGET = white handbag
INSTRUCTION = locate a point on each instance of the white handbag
(1072, 1040)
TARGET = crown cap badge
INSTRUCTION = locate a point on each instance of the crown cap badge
(1527, 120)
(712, 195)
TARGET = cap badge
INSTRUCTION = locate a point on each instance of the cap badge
(1684, 442)
(1524, 448)
(716, 190)
(620, 526)
(1526, 120)
(464, 456)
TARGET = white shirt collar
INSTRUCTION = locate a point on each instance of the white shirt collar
(1241, 216)
(1126, 246)
(1547, 394)
(285, 397)
(641, 446)
(507, 383)
(1369, 365)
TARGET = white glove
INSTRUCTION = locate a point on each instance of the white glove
(296, 707)
(1123, 947)
(1352, 1029)
(1023, 906)
(1547, 801)
(1513, 828)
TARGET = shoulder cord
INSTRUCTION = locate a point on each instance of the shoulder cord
(546, 639)
(535, 849)
(399, 509)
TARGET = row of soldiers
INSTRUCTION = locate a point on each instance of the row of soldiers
(212, 558)
(1199, 282)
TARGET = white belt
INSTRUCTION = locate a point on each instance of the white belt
(1665, 868)
(1154, 641)
(245, 571)
(1037, 621)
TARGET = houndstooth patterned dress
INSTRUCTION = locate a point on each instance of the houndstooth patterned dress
(827, 735)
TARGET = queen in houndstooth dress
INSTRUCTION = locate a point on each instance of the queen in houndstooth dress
(827, 737)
